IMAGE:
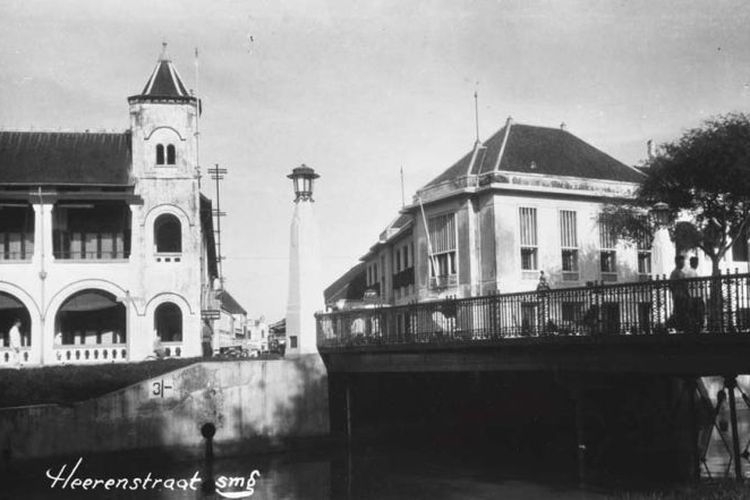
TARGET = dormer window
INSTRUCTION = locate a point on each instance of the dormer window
(170, 157)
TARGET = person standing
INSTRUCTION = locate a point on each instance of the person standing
(680, 298)
(207, 335)
(14, 335)
(696, 305)
(159, 351)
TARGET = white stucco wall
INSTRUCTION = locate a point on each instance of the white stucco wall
(144, 280)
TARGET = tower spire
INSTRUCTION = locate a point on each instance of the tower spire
(164, 83)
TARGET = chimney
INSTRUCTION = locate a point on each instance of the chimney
(650, 149)
(563, 127)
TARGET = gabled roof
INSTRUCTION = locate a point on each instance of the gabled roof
(539, 150)
(278, 327)
(164, 83)
(65, 158)
(350, 286)
(396, 227)
(229, 304)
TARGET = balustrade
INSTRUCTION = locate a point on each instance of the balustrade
(8, 359)
(90, 354)
(706, 305)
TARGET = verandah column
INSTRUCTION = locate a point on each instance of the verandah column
(42, 335)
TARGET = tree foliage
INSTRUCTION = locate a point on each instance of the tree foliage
(704, 175)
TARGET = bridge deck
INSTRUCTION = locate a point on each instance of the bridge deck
(697, 326)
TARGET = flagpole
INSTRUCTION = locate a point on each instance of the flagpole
(429, 242)
(403, 200)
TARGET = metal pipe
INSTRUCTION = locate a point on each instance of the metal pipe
(730, 382)
(693, 423)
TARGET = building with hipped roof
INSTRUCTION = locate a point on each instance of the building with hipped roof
(524, 201)
(105, 238)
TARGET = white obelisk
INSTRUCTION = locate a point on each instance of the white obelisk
(305, 286)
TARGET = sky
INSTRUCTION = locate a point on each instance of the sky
(358, 90)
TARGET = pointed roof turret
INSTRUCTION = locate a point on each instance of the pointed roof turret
(164, 84)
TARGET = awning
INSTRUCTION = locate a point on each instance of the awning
(89, 301)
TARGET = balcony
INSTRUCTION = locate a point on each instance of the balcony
(403, 278)
(443, 282)
(91, 232)
(16, 232)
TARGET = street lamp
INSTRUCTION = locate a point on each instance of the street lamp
(303, 177)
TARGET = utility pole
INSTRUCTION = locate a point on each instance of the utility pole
(218, 174)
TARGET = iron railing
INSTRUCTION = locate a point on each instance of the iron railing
(91, 255)
(20, 255)
(707, 305)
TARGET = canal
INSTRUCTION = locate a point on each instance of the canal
(463, 463)
(441, 469)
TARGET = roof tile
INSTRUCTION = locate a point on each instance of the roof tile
(63, 158)
(542, 150)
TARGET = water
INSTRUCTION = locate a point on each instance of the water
(383, 473)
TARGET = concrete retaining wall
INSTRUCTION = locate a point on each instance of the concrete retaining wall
(261, 402)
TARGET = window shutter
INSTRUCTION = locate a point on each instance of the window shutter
(528, 226)
(443, 233)
(568, 229)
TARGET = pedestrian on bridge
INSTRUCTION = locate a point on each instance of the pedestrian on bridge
(680, 298)
(697, 307)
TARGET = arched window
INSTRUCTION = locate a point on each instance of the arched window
(168, 322)
(168, 234)
(160, 154)
(170, 154)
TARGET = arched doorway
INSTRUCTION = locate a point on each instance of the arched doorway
(12, 309)
(168, 325)
(91, 317)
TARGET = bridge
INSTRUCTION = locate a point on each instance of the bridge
(617, 337)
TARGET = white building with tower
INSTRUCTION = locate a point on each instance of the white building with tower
(105, 238)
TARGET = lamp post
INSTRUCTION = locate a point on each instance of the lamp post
(303, 178)
(305, 287)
